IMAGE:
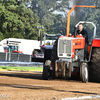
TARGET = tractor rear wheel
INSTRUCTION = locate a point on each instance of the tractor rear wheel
(95, 65)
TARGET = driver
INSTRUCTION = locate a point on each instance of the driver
(82, 32)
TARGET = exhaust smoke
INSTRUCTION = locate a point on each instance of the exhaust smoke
(77, 10)
(78, 2)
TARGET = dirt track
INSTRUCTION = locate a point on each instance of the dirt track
(30, 86)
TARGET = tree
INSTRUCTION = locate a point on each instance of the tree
(17, 21)
(45, 8)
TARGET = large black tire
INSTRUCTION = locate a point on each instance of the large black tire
(95, 65)
(46, 70)
(54, 57)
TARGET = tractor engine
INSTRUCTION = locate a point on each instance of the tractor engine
(71, 49)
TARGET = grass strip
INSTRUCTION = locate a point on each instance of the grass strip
(12, 68)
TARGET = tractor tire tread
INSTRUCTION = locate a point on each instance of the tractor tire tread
(95, 65)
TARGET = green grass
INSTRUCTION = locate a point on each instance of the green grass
(12, 68)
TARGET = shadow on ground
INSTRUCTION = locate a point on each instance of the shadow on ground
(33, 87)
(23, 75)
(38, 76)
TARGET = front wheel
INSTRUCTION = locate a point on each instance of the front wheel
(46, 70)
(84, 72)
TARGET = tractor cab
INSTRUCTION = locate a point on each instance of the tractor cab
(49, 39)
(14, 47)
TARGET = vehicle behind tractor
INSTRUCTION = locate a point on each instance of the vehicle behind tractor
(46, 42)
(68, 55)
(13, 47)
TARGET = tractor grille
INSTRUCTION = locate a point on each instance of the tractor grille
(64, 47)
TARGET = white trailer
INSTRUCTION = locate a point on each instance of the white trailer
(25, 45)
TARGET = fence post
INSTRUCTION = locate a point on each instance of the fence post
(18, 56)
(30, 59)
(6, 56)
(9, 56)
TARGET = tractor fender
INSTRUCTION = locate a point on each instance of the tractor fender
(96, 43)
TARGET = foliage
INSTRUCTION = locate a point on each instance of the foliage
(53, 23)
(19, 20)
(16, 21)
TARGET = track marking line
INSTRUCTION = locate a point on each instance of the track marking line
(83, 97)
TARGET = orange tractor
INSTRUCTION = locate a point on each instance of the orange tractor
(67, 55)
